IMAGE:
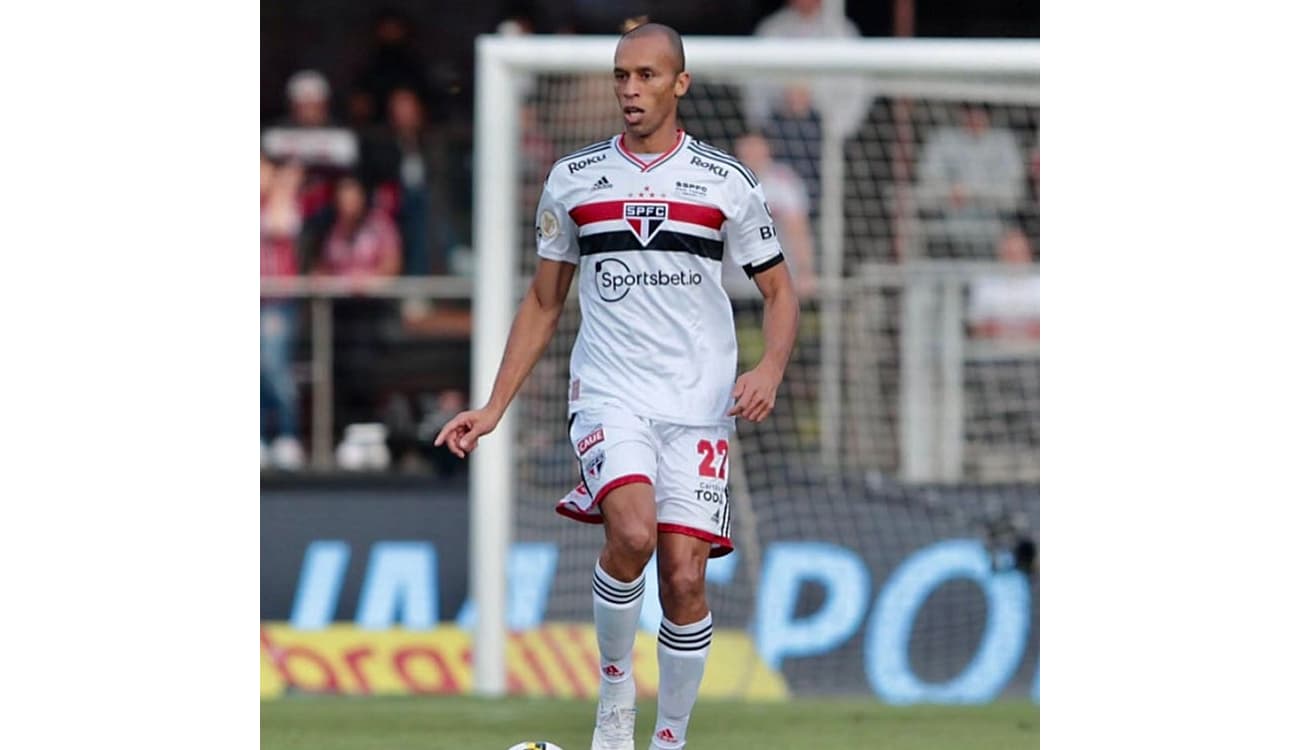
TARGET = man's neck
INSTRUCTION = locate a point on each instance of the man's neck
(656, 143)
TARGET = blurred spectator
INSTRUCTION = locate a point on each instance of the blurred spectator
(840, 103)
(393, 64)
(794, 131)
(310, 137)
(971, 182)
(788, 203)
(406, 119)
(363, 242)
(401, 162)
(281, 222)
(309, 99)
(362, 245)
(1005, 306)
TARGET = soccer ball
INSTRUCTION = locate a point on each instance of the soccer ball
(536, 746)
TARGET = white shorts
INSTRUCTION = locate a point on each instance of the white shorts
(687, 466)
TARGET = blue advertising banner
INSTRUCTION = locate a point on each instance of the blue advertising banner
(909, 594)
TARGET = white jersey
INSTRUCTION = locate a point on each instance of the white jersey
(657, 335)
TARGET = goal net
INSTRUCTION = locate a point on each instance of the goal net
(905, 436)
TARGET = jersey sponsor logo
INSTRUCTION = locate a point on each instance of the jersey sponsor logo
(602, 184)
(614, 280)
(596, 437)
(549, 225)
(581, 164)
(715, 168)
(645, 219)
(690, 189)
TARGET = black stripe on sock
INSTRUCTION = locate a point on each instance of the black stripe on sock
(616, 599)
(688, 634)
(619, 587)
(622, 597)
(615, 596)
(693, 641)
(678, 647)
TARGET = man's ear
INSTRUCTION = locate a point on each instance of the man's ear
(682, 84)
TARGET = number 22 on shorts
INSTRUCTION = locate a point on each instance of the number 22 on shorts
(707, 466)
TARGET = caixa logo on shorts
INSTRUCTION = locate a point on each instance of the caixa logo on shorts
(614, 280)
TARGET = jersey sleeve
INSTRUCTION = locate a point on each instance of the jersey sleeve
(557, 235)
(751, 236)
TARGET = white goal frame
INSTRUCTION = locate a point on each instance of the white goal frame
(500, 62)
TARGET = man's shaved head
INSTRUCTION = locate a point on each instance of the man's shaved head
(667, 32)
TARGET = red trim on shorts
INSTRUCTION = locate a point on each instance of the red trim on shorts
(575, 515)
(614, 484)
(723, 547)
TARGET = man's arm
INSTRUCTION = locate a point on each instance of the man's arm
(755, 391)
(534, 325)
(796, 234)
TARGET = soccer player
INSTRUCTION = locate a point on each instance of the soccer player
(643, 219)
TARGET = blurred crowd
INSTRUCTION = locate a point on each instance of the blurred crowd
(368, 179)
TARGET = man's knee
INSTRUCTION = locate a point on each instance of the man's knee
(627, 550)
(630, 531)
(683, 583)
(634, 542)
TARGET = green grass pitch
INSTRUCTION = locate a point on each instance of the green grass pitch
(455, 723)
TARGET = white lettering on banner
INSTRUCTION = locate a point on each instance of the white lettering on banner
(400, 588)
(787, 566)
(400, 576)
(901, 598)
(317, 597)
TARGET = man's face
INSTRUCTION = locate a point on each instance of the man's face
(349, 199)
(404, 110)
(646, 83)
(311, 112)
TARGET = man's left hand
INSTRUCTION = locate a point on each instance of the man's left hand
(755, 394)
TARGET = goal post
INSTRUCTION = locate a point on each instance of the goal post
(508, 67)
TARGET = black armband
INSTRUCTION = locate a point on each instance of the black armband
(751, 269)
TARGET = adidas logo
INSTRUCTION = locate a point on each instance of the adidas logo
(602, 183)
(613, 671)
(715, 515)
(666, 735)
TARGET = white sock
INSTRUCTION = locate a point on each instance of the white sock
(617, 606)
(683, 649)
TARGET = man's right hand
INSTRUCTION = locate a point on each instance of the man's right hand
(461, 434)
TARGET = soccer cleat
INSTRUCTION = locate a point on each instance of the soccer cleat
(614, 728)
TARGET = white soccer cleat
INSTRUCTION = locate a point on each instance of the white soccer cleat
(614, 728)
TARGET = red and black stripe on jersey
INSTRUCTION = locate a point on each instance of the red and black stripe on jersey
(665, 240)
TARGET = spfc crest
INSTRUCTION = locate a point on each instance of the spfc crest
(645, 219)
